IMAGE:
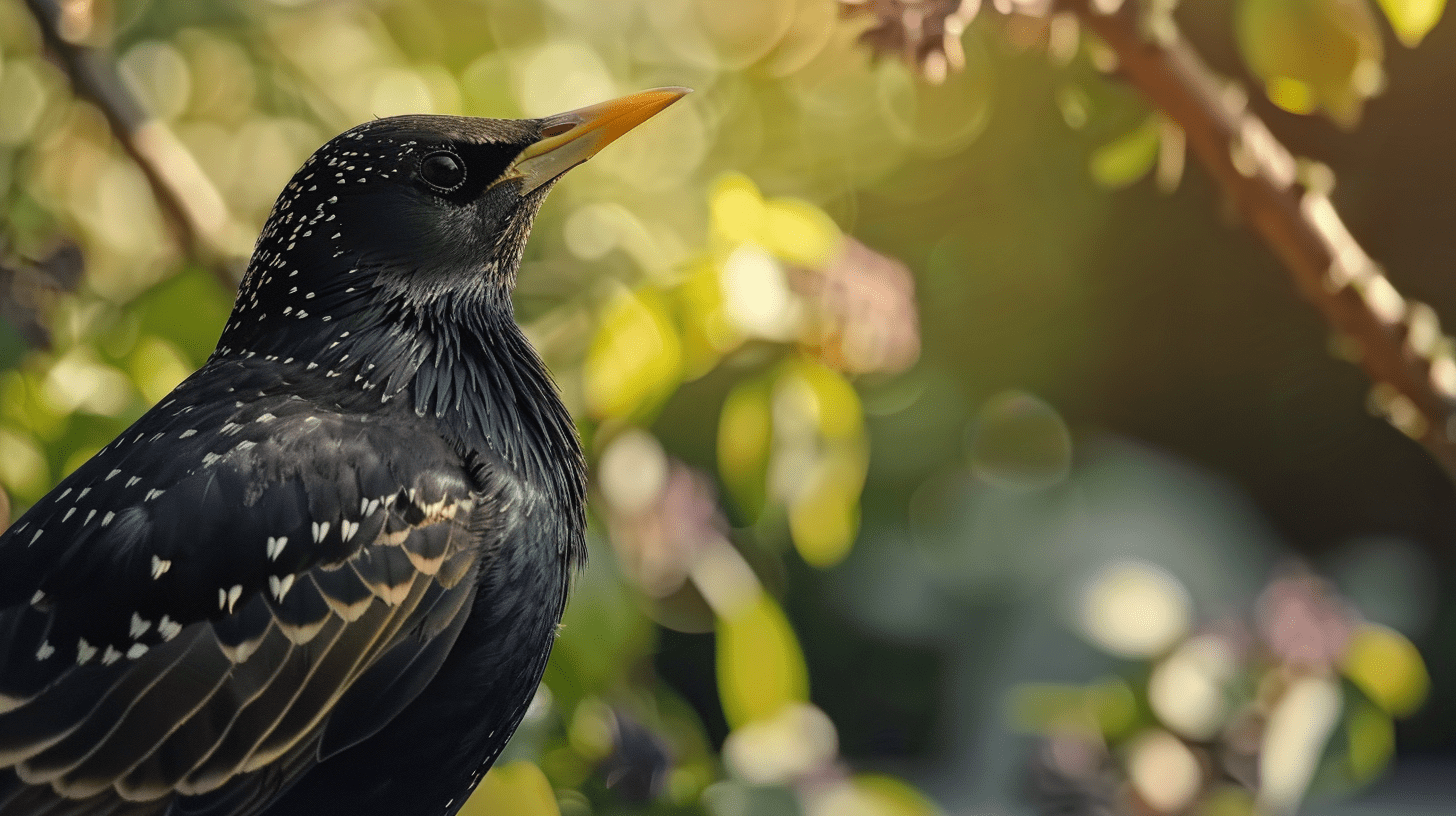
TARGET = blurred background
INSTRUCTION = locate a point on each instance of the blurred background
(955, 449)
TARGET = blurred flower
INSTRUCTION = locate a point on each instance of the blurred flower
(796, 741)
(925, 33)
(663, 515)
(1135, 609)
(1164, 772)
(1072, 776)
(863, 312)
(1304, 622)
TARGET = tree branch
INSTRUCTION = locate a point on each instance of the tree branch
(1400, 343)
(191, 206)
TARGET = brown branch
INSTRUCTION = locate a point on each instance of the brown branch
(191, 206)
(1398, 342)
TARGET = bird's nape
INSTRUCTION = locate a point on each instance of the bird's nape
(324, 574)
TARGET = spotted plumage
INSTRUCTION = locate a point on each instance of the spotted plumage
(323, 575)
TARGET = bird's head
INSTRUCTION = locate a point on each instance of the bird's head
(409, 210)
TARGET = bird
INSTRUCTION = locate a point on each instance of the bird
(324, 574)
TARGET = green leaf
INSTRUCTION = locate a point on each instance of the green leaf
(1412, 19)
(1124, 161)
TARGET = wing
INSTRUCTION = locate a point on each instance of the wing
(186, 610)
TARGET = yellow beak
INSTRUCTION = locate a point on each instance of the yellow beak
(570, 138)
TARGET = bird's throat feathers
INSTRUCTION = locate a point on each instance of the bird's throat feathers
(456, 358)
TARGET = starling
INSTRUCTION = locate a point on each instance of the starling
(324, 574)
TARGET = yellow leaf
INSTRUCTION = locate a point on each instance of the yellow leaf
(840, 413)
(800, 232)
(760, 666)
(825, 516)
(519, 789)
(635, 358)
(737, 209)
(1387, 668)
(1412, 19)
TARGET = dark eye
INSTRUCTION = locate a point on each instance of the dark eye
(442, 171)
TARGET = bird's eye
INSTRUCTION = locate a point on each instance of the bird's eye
(443, 171)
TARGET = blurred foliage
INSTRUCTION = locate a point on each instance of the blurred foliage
(1229, 717)
(884, 492)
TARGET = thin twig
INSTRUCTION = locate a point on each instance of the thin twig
(1400, 343)
(191, 206)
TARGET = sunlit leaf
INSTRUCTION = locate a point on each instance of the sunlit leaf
(1413, 19)
(1313, 53)
(1127, 159)
(519, 789)
(824, 517)
(737, 209)
(760, 666)
(799, 232)
(635, 358)
(836, 403)
(1388, 668)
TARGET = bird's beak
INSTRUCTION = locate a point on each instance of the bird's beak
(570, 138)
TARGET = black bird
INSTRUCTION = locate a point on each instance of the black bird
(323, 576)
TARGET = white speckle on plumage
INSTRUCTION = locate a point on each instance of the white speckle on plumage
(302, 314)
(246, 444)
(347, 529)
(67, 516)
(288, 310)
(235, 592)
(106, 519)
(111, 655)
(89, 516)
(136, 651)
(45, 650)
(311, 366)
(275, 546)
(320, 529)
(139, 625)
(37, 534)
(230, 428)
(280, 585)
(112, 474)
(265, 418)
(168, 628)
(64, 493)
(308, 296)
(37, 597)
(210, 459)
(84, 651)
(160, 566)
(133, 480)
(82, 494)
(153, 493)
